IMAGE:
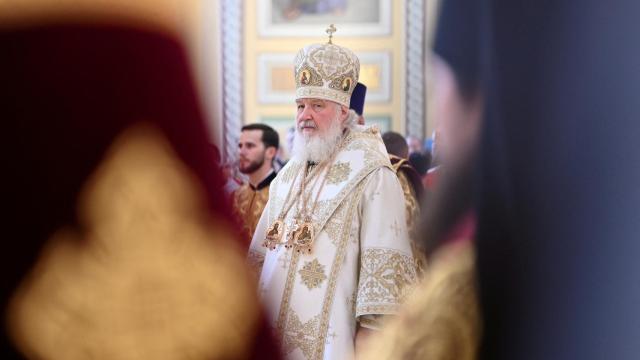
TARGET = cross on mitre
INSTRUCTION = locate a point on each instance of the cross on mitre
(330, 30)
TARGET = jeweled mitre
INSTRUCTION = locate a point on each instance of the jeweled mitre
(326, 71)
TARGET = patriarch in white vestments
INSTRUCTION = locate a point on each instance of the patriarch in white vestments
(331, 247)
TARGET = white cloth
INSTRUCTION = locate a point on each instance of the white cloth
(360, 265)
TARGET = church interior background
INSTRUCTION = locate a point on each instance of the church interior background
(243, 53)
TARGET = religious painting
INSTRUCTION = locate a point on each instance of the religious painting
(276, 78)
(375, 73)
(305, 75)
(311, 17)
(277, 85)
(346, 84)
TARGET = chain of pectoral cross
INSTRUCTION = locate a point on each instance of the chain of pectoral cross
(286, 207)
(303, 218)
(303, 214)
(307, 176)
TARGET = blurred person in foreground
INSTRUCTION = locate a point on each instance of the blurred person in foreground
(557, 237)
(332, 247)
(411, 182)
(440, 320)
(121, 245)
(420, 162)
(257, 148)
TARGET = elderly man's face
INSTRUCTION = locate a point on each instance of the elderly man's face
(315, 116)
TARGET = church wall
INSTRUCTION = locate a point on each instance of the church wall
(268, 67)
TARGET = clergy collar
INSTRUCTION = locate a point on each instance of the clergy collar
(264, 183)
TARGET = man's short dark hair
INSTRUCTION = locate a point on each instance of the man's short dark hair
(420, 162)
(395, 144)
(269, 136)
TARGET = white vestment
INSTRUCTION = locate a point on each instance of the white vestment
(360, 265)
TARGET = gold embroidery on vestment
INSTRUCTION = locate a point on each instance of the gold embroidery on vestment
(312, 274)
(440, 320)
(385, 278)
(338, 173)
(333, 228)
(396, 228)
(299, 335)
(248, 205)
(289, 173)
(286, 294)
(340, 209)
(335, 268)
(115, 282)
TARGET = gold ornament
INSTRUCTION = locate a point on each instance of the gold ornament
(303, 239)
(274, 235)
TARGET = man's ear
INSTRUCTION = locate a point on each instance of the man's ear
(270, 152)
(344, 113)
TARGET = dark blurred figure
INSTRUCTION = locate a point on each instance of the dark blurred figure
(558, 237)
(420, 161)
(119, 243)
(441, 320)
(215, 154)
(411, 186)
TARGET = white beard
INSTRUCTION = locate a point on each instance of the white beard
(319, 147)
